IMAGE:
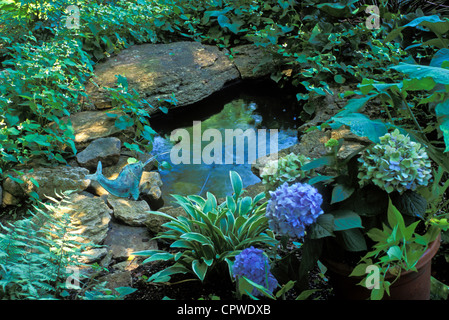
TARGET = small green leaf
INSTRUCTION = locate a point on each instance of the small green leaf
(394, 253)
(123, 291)
(34, 182)
(200, 269)
(339, 79)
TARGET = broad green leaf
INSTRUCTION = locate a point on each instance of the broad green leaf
(123, 291)
(318, 179)
(395, 219)
(246, 287)
(434, 23)
(410, 203)
(304, 295)
(181, 243)
(394, 253)
(356, 104)
(346, 219)
(245, 205)
(289, 285)
(164, 275)
(439, 75)
(361, 125)
(338, 9)
(341, 192)
(230, 202)
(377, 235)
(359, 270)
(34, 182)
(339, 79)
(439, 57)
(323, 227)
(442, 113)
(161, 256)
(317, 163)
(194, 236)
(123, 122)
(353, 240)
(210, 204)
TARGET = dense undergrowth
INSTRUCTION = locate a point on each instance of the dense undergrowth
(47, 55)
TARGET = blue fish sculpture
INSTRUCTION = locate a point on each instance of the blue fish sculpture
(126, 185)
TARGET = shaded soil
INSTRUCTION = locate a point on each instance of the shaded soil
(180, 288)
(440, 264)
(183, 287)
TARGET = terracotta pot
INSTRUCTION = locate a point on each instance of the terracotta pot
(411, 285)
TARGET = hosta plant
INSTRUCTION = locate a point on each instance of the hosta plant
(208, 238)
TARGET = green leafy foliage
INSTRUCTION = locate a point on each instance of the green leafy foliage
(37, 254)
(134, 113)
(40, 87)
(211, 234)
(397, 248)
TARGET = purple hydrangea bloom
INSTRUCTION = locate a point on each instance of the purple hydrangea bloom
(253, 264)
(292, 208)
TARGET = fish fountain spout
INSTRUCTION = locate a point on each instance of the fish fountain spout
(126, 185)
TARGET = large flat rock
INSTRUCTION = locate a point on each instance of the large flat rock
(190, 70)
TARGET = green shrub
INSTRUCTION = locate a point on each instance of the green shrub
(42, 85)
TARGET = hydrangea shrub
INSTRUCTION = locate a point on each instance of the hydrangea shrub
(253, 264)
(395, 164)
(284, 169)
(292, 208)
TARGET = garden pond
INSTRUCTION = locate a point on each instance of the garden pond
(255, 105)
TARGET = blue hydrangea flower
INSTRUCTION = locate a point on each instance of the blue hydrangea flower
(292, 208)
(253, 264)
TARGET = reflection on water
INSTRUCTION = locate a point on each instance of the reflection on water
(246, 108)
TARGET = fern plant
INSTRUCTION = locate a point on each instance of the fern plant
(36, 253)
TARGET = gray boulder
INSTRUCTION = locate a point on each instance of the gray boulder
(154, 224)
(123, 240)
(106, 150)
(91, 125)
(50, 181)
(150, 189)
(130, 212)
(90, 217)
(253, 62)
